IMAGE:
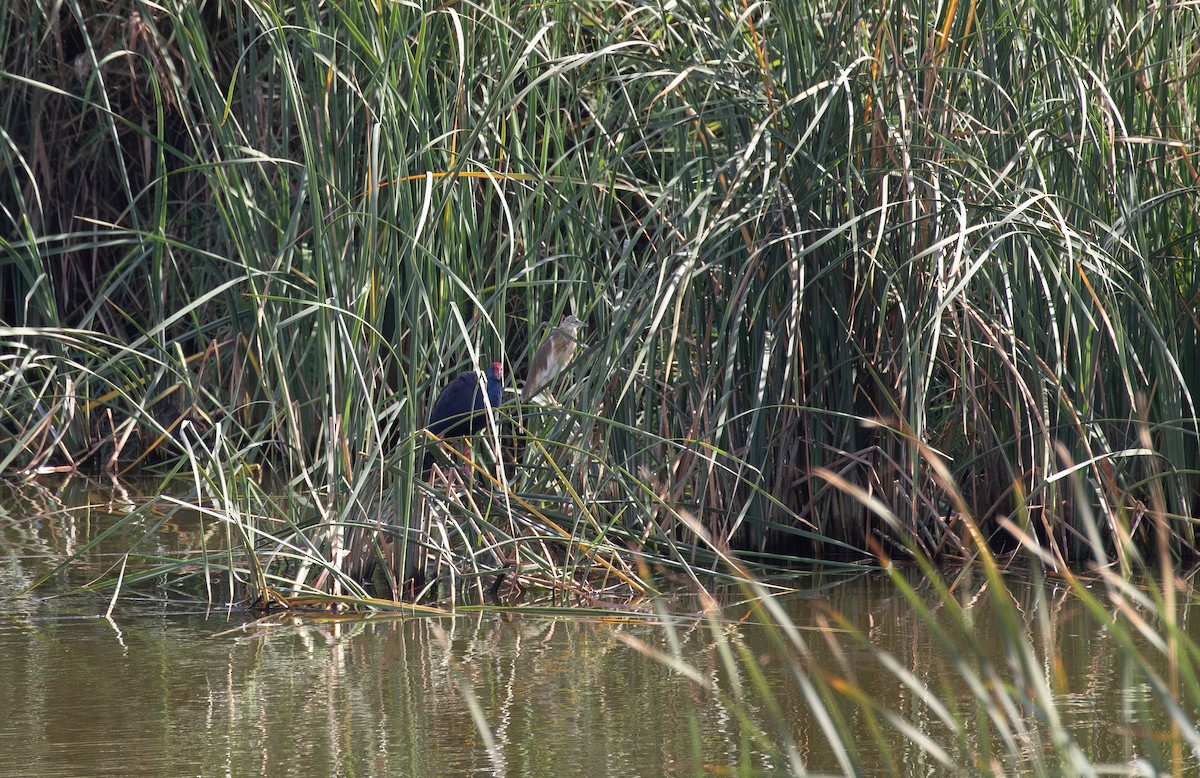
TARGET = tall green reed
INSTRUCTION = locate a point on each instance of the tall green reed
(815, 246)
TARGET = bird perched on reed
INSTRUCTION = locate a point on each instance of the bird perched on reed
(552, 356)
(461, 408)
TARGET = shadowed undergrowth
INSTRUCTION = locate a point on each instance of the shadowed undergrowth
(906, 281)
(821, 252)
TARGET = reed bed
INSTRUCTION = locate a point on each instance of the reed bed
(864, 284)
(819, 251)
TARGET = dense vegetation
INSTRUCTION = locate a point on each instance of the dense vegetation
(862, 281)
(942, 256)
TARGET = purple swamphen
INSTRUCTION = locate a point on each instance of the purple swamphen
(461, 408)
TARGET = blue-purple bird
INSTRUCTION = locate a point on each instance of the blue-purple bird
(461, 409)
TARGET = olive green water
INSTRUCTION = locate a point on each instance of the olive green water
(167, 688)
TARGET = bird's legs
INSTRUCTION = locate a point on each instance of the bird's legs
(465, 467)
(460, 463)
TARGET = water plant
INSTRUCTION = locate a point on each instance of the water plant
(816, 247)
(864, 281)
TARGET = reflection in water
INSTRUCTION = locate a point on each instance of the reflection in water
(345, 698)
(158, 692)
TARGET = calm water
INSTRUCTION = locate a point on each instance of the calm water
(175, 690)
